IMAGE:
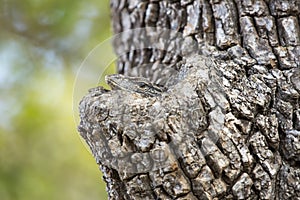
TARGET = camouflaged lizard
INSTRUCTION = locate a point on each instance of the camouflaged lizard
(145, 87)
(135, 84)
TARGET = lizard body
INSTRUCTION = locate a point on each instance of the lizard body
(199, 72)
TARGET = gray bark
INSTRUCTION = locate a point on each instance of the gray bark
(227, 125)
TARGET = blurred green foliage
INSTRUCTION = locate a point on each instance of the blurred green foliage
(42, 44)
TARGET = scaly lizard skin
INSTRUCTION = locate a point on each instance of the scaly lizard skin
(135, 84)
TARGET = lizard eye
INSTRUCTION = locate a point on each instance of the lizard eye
(142, 84)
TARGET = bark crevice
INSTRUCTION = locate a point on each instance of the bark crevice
(228, 124)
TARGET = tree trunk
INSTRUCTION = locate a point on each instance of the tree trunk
(226, 124)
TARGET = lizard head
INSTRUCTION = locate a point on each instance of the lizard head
(134, 84)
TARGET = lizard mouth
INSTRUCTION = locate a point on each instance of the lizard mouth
(109, 81)
(113, 81)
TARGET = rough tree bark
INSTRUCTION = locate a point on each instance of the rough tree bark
(226, 125)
